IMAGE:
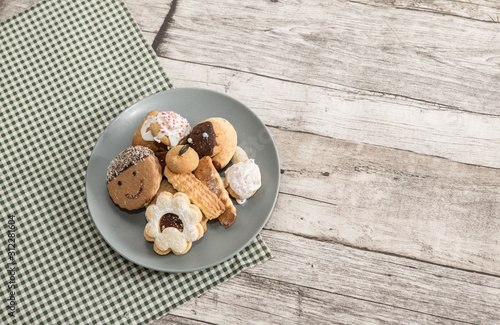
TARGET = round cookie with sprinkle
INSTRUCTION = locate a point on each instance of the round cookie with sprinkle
(144, 137)
(161, 130)
(133, 177)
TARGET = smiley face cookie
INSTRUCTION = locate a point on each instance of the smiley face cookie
(133, 177)
(173, 223)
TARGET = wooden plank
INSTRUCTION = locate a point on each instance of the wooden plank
(394, 201)
(332, 283)
(363, 117)
(178, 320)
(367, 117)
(485, 10)
(389, 200)
(150, 14)
(342, 44)
(11, 8)
(390, 280)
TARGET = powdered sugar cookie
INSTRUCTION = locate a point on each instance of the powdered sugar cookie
(243, 180)
(173, 223)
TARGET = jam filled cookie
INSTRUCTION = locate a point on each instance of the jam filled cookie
(173, 224)
(243, 180)
(133, 177)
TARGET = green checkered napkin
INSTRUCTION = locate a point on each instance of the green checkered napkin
(67, 68)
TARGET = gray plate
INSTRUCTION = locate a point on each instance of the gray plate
(123, 231)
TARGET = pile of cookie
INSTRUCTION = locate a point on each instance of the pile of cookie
(174, 171)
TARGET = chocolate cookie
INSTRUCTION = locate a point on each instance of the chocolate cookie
(223, 157)
(206, 138)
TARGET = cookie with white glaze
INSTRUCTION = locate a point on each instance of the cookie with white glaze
(162, 130)
(243, 180)
(143, 135)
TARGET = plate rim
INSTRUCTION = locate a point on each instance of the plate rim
(256, 231)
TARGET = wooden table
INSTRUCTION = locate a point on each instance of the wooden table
(386, 115)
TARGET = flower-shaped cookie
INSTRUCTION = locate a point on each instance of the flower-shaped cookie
(173, 223)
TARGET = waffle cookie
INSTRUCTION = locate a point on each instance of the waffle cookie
(208, 175)
(199, 194)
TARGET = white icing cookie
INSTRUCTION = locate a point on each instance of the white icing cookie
(243, 180)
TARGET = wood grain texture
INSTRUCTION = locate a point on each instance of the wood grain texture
(367, 196)
(443, 79)
(149, 16)
(386, 117)
(485, 10)
(11, 8)
(334, 284)
(399, 202)
(415, 54)
(358, 116)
